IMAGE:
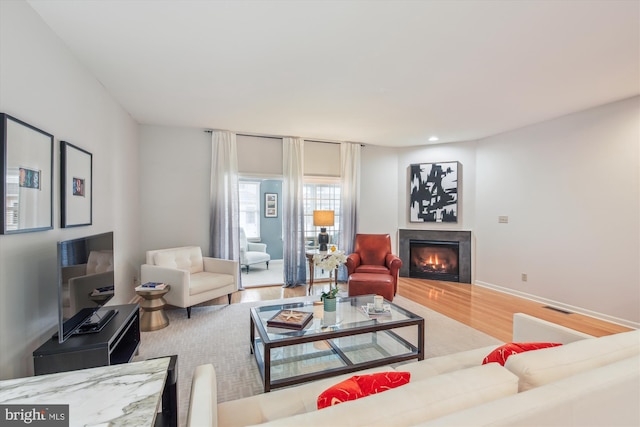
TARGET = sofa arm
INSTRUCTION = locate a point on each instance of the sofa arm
(256, 247)
(203, 402)
(353, 261)
(73, 271)
(393, 263)
(527, 328)
(218, 265)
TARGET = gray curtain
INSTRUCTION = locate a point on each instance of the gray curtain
(349, 198)
(293, 213)
(224, 223)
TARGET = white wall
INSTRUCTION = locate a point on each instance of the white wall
(379, 192)
(175, 175)
(570, 187)
(43, 85)
(571, 190)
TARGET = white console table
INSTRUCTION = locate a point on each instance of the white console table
(128, 394)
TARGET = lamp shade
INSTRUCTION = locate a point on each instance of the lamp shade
(323, 218)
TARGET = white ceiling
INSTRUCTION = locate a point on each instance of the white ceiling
(388, 73)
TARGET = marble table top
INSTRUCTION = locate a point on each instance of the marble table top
(119, 395)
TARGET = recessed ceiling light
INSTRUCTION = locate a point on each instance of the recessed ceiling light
(433, 139)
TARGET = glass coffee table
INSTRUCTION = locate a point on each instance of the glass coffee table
(343, 341)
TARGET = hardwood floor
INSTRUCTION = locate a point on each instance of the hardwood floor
(484, 309)
(491, 311)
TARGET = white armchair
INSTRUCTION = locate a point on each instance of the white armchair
(252, 253)
(193, 278)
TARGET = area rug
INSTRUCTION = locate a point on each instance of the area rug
(220, 335)
(261, 275)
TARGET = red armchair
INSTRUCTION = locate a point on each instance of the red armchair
(372, 254)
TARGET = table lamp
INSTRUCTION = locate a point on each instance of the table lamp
(323, 219)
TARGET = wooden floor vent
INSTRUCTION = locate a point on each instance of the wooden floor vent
(559, 310)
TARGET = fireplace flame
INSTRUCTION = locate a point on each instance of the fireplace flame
(432, 262)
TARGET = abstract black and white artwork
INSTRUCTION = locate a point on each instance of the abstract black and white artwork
(433, 191)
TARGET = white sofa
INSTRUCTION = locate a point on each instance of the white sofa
(586, 381)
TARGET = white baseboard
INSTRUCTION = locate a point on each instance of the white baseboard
(556, 304)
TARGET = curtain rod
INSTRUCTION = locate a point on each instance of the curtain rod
(281, 137)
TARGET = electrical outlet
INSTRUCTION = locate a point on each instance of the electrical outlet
(524, 277)
(503, 219)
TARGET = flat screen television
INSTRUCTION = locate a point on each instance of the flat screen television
(85, 284)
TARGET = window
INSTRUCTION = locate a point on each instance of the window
(321, 194)
(250, 207)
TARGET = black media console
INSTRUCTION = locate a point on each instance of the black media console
(116, 343)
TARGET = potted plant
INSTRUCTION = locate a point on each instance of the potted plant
(330, 262)
(329, 297)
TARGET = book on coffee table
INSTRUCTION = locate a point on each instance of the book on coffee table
(290, 319)
(372, 313)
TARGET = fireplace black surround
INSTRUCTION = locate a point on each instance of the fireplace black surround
(463, 238)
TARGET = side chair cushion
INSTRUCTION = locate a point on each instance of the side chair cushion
(188, 258)
(206, 281)
(371, 268)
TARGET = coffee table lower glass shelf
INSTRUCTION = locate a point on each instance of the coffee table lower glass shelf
(332, 344)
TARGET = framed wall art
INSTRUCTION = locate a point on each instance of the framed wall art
(27, 177)
(76, 186)
(433, 192)
(270, 205)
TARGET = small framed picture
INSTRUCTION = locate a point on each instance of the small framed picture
(76, 186)
(270, 205)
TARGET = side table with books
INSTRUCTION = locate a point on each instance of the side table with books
(152, 304)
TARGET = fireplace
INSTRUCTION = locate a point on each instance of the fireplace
(436, 254)
(434, 259)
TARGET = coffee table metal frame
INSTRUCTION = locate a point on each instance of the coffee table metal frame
(367, 334)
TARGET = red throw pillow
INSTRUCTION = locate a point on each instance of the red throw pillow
(502, 353)
(360, 386)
